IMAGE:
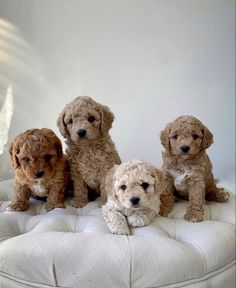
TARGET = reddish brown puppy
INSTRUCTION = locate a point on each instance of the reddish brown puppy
(40, 169)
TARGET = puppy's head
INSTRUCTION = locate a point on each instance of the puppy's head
(84, 119)
(185, 137)
(134, 184)
(35, 153)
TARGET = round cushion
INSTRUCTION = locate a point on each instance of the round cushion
(74, 248)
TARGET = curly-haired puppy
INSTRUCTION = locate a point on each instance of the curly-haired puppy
(85, 124)
(187, 168)
(133, 190)
(40, 169)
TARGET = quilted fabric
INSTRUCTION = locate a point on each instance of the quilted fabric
(74, 248)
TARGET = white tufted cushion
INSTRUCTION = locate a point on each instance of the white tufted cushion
(74, 248)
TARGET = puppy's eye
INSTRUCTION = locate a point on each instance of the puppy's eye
(145, 185)
(47, 157)
(175, 136)
(123, 187)
(71, 121)
(195, 136)
(26, 159)
(91, 119)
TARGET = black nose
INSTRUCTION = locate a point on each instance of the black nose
(185, 149)
(81, 133)
(134, 200)
(38, 174)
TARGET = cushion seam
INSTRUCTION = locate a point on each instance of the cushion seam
(23, 282)
(207, 276)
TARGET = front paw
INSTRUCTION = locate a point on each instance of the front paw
(19, 207)
(164, 211)
(194, 216)
(137, 221)
(120, 229)
(167, 205)
(51, 206)
(78, 203)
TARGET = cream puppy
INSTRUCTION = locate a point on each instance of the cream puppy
(133, 190)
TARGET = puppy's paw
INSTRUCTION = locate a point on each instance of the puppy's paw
(19, 207)
(217, 195)
(78, 203)
(9, 209)
(51, 206)
(222, 197)
(137, 220)
(164, 211)
(194, 216)
(120, 230)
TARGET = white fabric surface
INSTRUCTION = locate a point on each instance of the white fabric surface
(74, 248)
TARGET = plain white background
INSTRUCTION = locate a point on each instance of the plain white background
(148, 60)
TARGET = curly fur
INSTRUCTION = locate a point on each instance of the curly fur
(124, 183)
(40, 169)
(92, 154)
(188, 172)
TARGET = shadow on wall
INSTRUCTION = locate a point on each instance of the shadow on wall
(20, 76)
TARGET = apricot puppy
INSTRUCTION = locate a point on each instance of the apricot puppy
(187, 168)
(133, 190)
(40, 169)
(85, 124)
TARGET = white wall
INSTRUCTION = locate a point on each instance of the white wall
(149, 61)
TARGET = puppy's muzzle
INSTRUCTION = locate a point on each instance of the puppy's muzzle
(185, 148)
(134, 200)
(39, 174)
(81, 133)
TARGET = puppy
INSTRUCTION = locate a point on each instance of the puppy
(85, 124)
(187, 168)
(40, 169)
(133, 190)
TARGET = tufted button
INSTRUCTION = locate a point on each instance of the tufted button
(11, 225)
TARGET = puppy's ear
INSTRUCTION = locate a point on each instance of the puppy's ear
(164, 136)
(158, 180)
(207, 138)
(107, 118)
(13, 151)
(52, 137)
(110, 182)
(62, 125)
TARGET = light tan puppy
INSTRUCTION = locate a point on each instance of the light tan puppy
(187, 168)
(133, 190)
(40, 169)
(85, 124)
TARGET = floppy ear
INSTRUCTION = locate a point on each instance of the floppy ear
(207, 138)
(158, 180)
(107, 118)
(13, 151)
(164, 136)
(62, 125)
(110, 182)
(58, 147)
(52, 137)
